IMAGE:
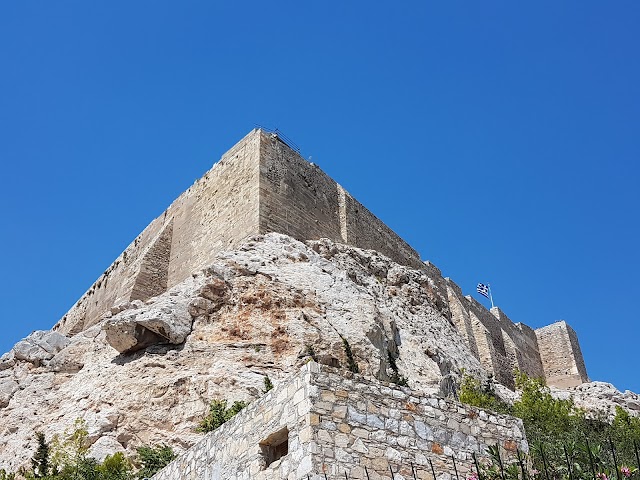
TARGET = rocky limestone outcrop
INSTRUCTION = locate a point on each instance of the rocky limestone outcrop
(37, 348)
(147, 371)
(600, 399)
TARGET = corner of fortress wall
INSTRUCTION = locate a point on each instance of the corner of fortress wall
(216, 213)
(262, 185)
(561, 355)
(319, 422)
(297, 198)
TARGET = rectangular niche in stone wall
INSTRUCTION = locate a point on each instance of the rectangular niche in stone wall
(275, 446)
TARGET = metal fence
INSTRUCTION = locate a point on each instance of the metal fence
(521, 466)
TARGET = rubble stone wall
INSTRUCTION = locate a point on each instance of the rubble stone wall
(336, 425)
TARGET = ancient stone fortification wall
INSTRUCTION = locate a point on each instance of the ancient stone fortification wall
(561, 356)
(261, 185)
(499, 344)
(214, 214)
(299, 199)
(325, 423)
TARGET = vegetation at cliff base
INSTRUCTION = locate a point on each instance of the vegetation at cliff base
(564, 441)
(67, 457)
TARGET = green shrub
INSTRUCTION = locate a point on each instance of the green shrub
(268, 385)
(116, 467)
(153, 459)
(482, 395)
(311, 353)
(66, 458)
(219, 414)
(351, 363)
(560, 435)
(395, 375)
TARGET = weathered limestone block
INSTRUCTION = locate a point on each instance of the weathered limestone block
(8, 387)
(167, 321)
(39, 346)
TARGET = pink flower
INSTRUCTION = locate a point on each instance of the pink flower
(535, 472)
(472, 476)
(602, 476)
(625, 471)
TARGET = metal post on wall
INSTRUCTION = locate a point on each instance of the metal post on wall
(566, 456)
(433, 472)
(524, 472)
(615, 460)
(455, 468)
(475, 460)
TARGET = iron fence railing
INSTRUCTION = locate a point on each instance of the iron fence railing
(518, 466)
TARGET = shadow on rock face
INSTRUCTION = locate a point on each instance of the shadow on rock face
(156, 348)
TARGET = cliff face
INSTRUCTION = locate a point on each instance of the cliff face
(146, 371)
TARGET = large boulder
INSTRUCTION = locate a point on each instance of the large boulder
(163, 321)
(40, 346)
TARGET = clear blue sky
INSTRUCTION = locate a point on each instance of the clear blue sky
(501, 139)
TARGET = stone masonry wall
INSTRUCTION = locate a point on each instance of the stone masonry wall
(262, 185)
(153, 276)
(214, 214)
(113, 287)
(337, 425)
(218, 211)
(297, 198)
(364, 230)
(499, 344)
(522, 339)
(561, 356)
(236, 450)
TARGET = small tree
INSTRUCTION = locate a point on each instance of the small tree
(395, 373)
(40, 460)
(351, 362)
(481, 394)
(153, 459)
(116, 467)
(69, 455)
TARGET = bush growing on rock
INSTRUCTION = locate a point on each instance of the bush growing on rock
(351, 362)
(219, 414)
(268, 384)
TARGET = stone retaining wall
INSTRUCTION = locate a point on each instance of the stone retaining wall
(335, 426)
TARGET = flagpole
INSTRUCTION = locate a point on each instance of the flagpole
(490, 296)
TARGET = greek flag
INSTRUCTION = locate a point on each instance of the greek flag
(483, 289)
